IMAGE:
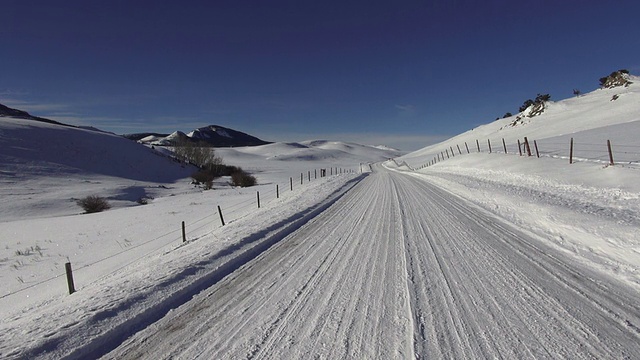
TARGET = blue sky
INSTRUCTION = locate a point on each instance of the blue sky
(399, 73)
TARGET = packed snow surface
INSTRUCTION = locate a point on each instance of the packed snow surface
(442, 253)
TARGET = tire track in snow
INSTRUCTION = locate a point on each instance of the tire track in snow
(484, 264)
(327, 298)
(331, 294)
(278, 329)
(398, 268)
(486, 341)
(587, 287)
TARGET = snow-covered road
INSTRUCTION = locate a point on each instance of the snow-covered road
(399, 268)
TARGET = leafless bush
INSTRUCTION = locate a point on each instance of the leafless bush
(200, 154)
(93, 204)
(243, 179)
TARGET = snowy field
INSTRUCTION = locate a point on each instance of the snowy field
(535, 238)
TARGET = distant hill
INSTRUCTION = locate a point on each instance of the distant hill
(30, 149)
(213, 135)
(317, 151)
(45, 167)
(140, 136)
(6, 111)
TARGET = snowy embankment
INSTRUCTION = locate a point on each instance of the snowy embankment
(590, 211)
(589, 208)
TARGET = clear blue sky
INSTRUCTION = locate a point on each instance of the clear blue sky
(402, 73)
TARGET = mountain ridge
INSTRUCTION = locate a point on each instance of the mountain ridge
(213, 135)
(6, 111)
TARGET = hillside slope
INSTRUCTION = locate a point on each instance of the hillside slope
(572, 197)
(596, 109)
(7, 112)
(64, 163)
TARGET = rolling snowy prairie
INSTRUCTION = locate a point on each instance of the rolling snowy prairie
(444, 252)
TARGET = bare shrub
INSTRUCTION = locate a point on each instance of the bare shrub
(243, 179)
(200, 154)
(93, 204)
(207, 174)
(202, 177)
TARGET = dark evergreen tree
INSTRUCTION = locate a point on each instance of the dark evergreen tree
(526, 104)
(542, 98)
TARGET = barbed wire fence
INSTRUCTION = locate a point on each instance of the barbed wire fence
(213, 221)
(606, 152)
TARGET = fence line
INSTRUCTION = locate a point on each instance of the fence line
(605, 152)
(237, 207)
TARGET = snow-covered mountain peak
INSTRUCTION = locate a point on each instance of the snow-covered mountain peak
(213, 135)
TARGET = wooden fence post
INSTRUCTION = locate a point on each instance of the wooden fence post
(478, 144)
(452, 153)
(526, 146)
(447, 153)
(537, 152)
(291, 182)
(610, 152)
(315, 172)
(571, 152)
(184, 233)
(258, 195)
(467, 146)
(504, 145)
(489, 142)
(301, 178)
(459, 152)
(309, 173)
(221, 217)
(70, 284)
(519, 147)
(277, 192)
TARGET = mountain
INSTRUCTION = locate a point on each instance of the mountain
(214, 135)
